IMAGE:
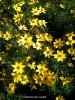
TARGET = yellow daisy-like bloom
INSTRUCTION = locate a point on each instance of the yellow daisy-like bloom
(44, 37)
(42, 10)
(18, 67)
(40, 37)
(17, 17)
(23, 27)
(34, 22)
(70, 34)
(35, 11)
(21, 41)
(32, 66)
(29, 42)
(66, 80)
(16, 77)
(49, 78)
(42, 23)
(41, 69)
(71, 51)
(25, 41)
(70, 41)
(24, 80)
(17, 8)
(37, 45)
(48, 52)
(60, 56)
(60, 98)
(11, 88)
(48, 37)
(38, 79)
(58, 43)
(7, 36)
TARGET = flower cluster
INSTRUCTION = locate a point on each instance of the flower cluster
(32, 55)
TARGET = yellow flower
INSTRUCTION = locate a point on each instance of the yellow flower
(62, 6)
(25, 41)
(41, 69)
(71, 51)
(11, 88)
(24, 80)
(44, 37)
(66, 80)
(42, 23)
(70, 34)
(60, 55)
(1, 34)
(22, 27)
(42, 10)
(21, 41)
(17, 17)
(29, 42)
(34, 22)
(37, 45)
(60, 98)
(48, 52)
(48, 37)
(18, 9)
(32, 66)
(40, 37)
(58, 43)
(70, 41)
(35, 11)
(18, 67)
(38, 79)
(50, 78)
(7, 36)
(16, 77)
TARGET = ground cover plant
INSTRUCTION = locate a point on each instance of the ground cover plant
(37, 48)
